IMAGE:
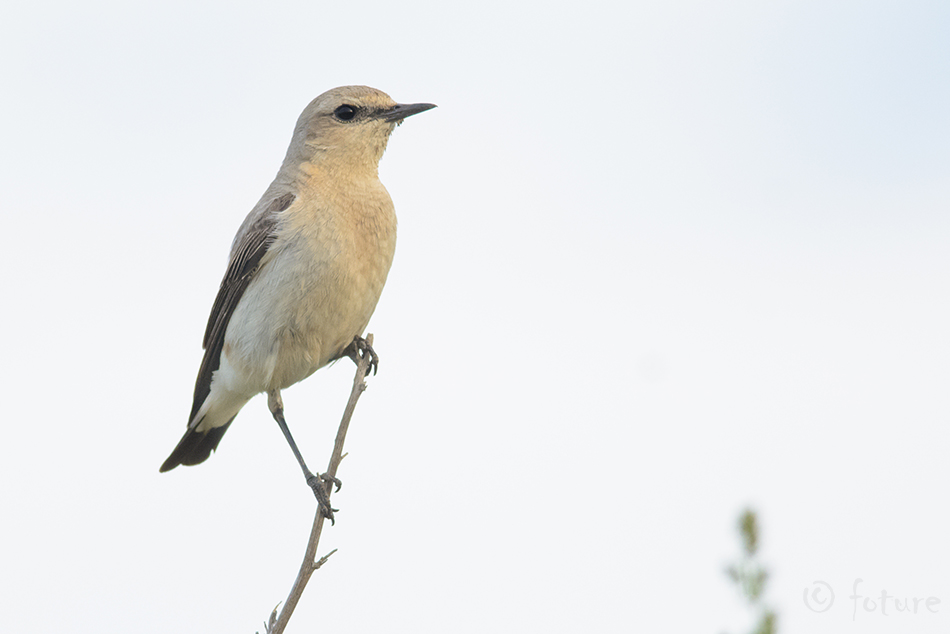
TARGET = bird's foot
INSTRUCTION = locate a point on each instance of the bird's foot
(358, 349)
(318, 485)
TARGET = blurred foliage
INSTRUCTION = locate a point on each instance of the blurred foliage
(750, 576)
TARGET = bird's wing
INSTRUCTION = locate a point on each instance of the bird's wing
(245, 263)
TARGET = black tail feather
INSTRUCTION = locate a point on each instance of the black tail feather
(195, 447)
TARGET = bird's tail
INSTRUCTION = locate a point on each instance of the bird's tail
(195, 446)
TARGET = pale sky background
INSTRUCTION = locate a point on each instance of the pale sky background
(657, 261)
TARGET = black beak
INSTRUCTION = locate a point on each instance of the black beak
(402, 110)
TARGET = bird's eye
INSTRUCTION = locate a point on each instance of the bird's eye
(345, 112)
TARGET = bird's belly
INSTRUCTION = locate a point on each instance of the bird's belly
(290, 324)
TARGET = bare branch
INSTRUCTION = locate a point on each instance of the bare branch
(310, 564)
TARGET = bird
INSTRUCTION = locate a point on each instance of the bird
(306, 270)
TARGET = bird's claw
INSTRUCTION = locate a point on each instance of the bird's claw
(358, 349)
(316, 483)
(327, 478)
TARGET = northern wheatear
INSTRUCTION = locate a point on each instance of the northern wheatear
(306, 270)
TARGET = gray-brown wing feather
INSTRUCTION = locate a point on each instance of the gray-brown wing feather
(244, 265)
(246, 260)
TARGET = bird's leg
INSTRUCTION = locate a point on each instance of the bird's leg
(317, 483)
(359, 348)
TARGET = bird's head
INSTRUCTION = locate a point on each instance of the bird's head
(347, 128)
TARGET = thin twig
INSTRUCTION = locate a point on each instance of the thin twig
(310, 564)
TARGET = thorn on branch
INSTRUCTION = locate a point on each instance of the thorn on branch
(323, 559)
(269, 625)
